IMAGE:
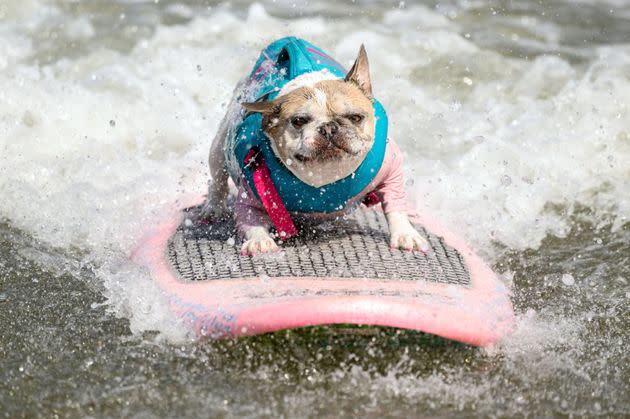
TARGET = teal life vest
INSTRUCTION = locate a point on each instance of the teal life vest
(279, 63)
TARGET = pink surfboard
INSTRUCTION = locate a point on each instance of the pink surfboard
(337, 272)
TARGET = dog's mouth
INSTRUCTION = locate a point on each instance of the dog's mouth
(302, 158)
(331, 152)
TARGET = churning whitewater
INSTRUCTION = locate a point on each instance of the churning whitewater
(515, 128)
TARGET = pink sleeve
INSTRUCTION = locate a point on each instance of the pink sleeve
(248, 211)
(391, 190)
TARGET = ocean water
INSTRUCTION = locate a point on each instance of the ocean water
(514, 117)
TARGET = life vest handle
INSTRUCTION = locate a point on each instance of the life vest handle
(269, 195)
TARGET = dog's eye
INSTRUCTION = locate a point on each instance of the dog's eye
(299, 121)
(355, 118)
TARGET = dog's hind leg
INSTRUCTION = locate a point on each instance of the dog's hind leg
(216, 202)
(218, 189)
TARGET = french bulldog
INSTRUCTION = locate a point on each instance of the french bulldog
(320, 127)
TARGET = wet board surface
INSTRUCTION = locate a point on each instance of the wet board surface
(355, 246)
(336, 271)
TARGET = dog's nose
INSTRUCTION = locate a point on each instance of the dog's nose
(328, 129)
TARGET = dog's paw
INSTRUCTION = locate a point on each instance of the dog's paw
(259, 245)
(258, 240)
(408, 239)
(213, 211)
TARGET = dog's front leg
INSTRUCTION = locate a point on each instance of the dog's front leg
(253, 223)
(403, 235)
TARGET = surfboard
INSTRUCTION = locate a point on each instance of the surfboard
(339, 271)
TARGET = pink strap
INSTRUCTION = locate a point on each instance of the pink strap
(269, 196)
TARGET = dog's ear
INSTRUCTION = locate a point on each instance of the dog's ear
(360, 73)
(264, 107)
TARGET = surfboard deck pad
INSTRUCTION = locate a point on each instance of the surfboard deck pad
(339, 271)
(354, 246)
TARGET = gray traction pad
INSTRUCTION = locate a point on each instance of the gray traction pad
(353, 246)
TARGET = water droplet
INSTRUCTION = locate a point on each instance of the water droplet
(567, 279)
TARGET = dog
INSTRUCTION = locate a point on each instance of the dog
(320, 128)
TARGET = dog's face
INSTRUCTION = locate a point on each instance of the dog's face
(322, 131)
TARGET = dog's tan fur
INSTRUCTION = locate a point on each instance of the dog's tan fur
(327, 102)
